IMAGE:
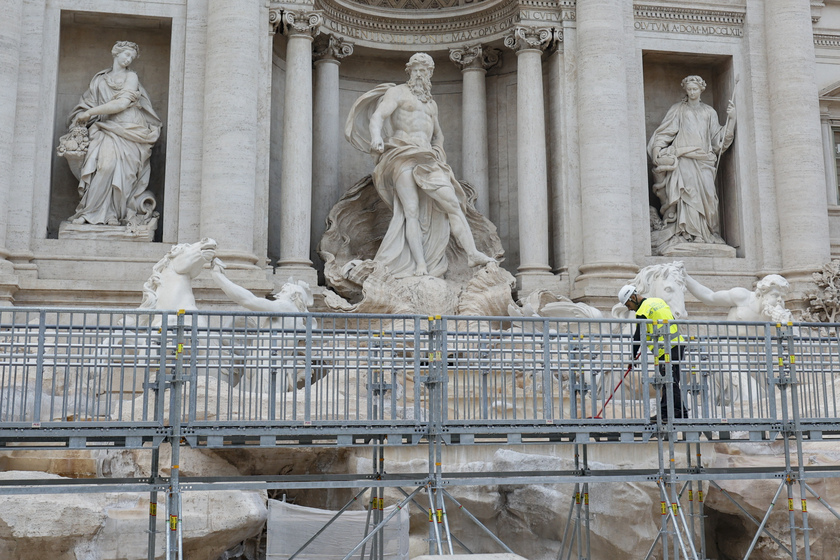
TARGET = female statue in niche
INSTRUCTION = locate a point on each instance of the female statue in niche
(115, 121)
(685, 150)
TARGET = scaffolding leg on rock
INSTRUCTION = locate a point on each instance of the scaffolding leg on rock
(153, 498)
(477, 522)
(382, 524)
(672, 516)
(435, 528)
(764, 522)
(750, 517)
(568, 526)
(330, 522)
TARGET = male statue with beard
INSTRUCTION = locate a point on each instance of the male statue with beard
(398, 125)
(766, 303)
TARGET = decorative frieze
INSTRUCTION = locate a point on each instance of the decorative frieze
(475, 57)
(688, 21)
(540, 38)
(827, 40)
(426, 29)
(330, 47)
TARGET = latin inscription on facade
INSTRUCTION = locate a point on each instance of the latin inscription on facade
(689, 21)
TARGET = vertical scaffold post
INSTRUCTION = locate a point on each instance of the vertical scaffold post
(797, 430)
(153, 498)
(435, 381)
(659, 383)
(785, 382)
(174, 547)
(586, 503)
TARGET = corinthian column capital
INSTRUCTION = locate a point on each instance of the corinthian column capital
(475, 57)
(330, 47)
(295, 22)
(540, 38)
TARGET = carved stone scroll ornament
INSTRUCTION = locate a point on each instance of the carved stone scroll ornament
(540, 38)
(295, 22)
(330, 47)
(475, 57)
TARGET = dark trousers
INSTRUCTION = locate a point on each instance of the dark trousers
(679, 410)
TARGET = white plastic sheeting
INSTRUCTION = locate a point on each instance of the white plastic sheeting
(290, 526)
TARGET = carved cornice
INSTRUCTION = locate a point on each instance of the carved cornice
(523, 38)
(827, 40)
(330, 47)
(301, 22)
(691, 21)
(470, 57)
(410, 30)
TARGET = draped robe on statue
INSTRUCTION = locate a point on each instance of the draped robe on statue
(686, 190)
(430, 172)
(115, 173)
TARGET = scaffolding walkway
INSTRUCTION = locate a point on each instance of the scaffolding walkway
(134, 379)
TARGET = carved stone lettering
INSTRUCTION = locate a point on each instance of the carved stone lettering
(688, 28)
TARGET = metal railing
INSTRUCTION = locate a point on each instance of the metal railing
(263, 379)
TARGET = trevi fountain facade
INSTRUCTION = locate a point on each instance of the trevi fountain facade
(437, 157)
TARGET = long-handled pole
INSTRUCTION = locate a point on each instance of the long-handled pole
(726, 124)
(623, 377)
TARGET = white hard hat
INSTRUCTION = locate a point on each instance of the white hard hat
(626, 293)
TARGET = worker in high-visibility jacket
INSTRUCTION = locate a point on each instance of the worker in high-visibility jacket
(656, 309)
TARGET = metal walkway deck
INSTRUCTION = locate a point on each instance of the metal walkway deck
(92, 379)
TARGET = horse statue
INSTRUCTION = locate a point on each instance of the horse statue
(665, 281)
(170, 285)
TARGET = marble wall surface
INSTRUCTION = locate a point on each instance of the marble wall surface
(47, 66)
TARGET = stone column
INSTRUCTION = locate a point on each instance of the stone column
(231, 127)
(328, 53)
(828, 158)
(10, 38)
(296, 173)
(605, 186)
(531, 160)
(474, 61)
(798, 164)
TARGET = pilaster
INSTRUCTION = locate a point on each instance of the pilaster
(798, 161)
(10, 38)
(603, 101)
(231, 129)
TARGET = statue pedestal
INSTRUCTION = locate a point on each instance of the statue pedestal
(700, 250)
(102, 232)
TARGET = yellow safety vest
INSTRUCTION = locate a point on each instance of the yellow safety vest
(657, 310)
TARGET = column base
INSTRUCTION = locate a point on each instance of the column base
(296, 271)
(528, 281)
(598, 284)
(9, 283)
